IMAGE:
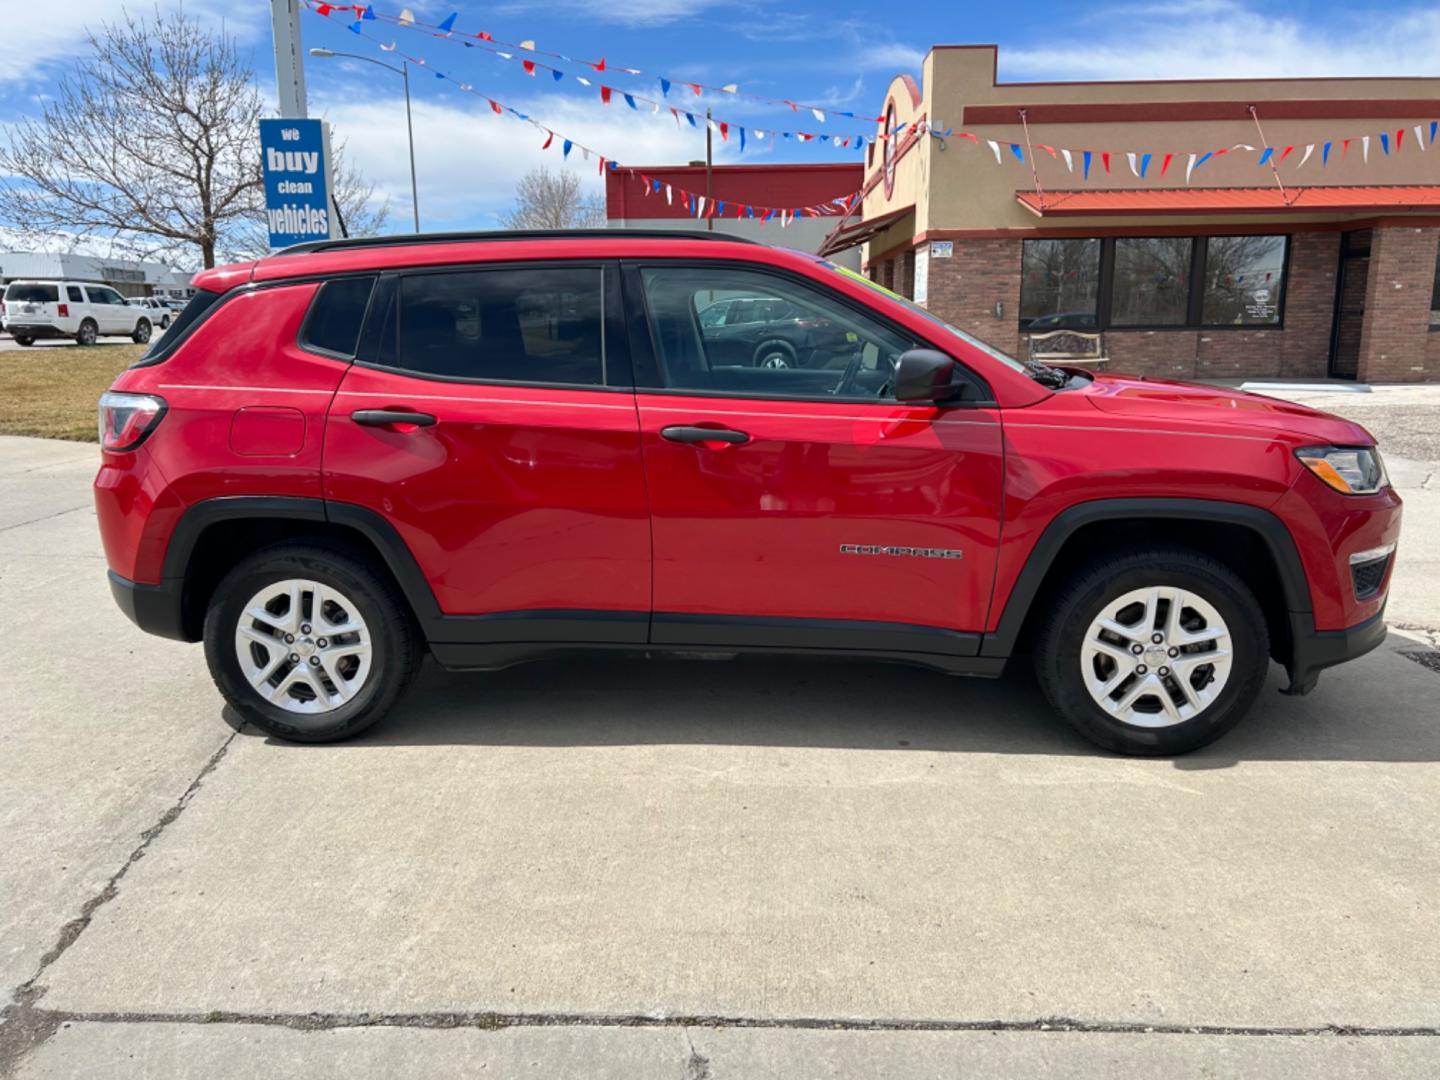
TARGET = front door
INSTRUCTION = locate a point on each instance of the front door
(111, 313)
(511, 469)
(801, 505)
(1350, 303)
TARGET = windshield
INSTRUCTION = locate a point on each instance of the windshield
(988, 350)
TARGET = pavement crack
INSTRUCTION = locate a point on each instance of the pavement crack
(23, 1024)
(44, 517)
(697, 1065)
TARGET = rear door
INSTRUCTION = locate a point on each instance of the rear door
(36, 303)
(806, 507)
(512, 470)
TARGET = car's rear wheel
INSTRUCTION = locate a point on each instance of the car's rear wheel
(1153, 652)
(24, 340)
(88, 333)
(775, 355)
(309, 643)
(142, 332)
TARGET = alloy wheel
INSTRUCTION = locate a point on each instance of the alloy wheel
(303, 646)
(1156, 657)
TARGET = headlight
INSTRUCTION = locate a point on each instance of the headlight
(1350, 470)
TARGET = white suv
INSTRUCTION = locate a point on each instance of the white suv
(79, 310)
(160, 312)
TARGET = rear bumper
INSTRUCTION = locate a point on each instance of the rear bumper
(34, 330)
(156, 609)
(1315, 650)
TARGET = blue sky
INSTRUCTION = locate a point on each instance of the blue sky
(839, 54)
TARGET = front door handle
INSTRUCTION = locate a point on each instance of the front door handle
(387, 417)
(684, 434)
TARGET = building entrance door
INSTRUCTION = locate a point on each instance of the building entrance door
(1350, 303)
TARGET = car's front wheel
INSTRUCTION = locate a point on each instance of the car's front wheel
(1153, 652)
(142, 332)
(309, 643)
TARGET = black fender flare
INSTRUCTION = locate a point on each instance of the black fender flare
(1266, 525)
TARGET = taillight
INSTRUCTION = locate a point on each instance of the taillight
(126, 419)
(64, 310)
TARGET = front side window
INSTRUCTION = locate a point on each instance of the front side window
(99, 295)
(1059, 285)
(1152, 281)
(337, 315)
(504, 325)
(793, 341)
(1244, 278)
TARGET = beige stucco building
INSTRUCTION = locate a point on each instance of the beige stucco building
(1314, 259)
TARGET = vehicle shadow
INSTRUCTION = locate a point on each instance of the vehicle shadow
(1380, 708)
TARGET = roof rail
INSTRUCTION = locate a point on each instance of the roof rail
(507, 234)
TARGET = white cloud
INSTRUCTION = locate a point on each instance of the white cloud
(1231, 39)
(468, 159)
(28, 45)
(630, 13)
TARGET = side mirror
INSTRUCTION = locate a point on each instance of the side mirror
(925, 375)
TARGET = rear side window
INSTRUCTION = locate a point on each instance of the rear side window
(32, 294)
(189, 315)
(504, 325)
(74, 293)
(336, 316)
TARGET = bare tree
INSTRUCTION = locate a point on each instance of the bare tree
(154, 146)
(553, 200)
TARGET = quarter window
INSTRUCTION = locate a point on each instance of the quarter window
(74, 293)
(504, 325)
(1060, 285)
(337, 315)
(780, 338)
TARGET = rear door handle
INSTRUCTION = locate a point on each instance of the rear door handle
(386, 417)
(684, 434)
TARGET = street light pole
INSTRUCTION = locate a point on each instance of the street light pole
(404, 72)
(709, 167)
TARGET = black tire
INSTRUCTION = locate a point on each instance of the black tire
(88, 334)
(395, 641)
(141, 336)
(775, 354)
(1058, 659)
(165, 322)
(25, 341)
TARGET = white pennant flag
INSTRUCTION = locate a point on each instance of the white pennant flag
(654, 107)
(1189, 168)
(729, 88)
(818, 115)
(669, 195)
(580, 79)
(1069, 161)
(1130, 157)
(836, 139)
(759, 134)
(1309, 149)
(1243, 146)
(528, 45)
(584, 154)
(406, 16)
(994, 149)
(700, 206)
(391, 48)
(504, 55)
(1365, 149)
(466, 87)
(713, 126)
(1419, 138)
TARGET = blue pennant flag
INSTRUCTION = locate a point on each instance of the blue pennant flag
(768, 215)
(655, 186)
(665, 87)
(565, 150)
(787, 134)
(1088, 158)
(439, 74)
(447, 24)
(691, 118)
(557, 73)
(355, 27)
(1325, 155)
(1015, 149)
(1268, 153)
(369, 12)
(1433, 125)
(691, 203)
(749, 211)
(719, 208)
(629, 101)
(1385, 142)
(1144, 164)
(742, 139)
(1204, 158)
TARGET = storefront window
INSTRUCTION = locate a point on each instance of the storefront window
(1152, 281)
(1435, 298)
(1059, 285)
(1244, 279)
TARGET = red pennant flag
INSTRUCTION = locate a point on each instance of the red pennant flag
(601, 170)
(1048, 149)
(1344, 149)
(483, 36)
(1105, 160)
(1222, 150)
(966, 135)
(494, 106)
(549, 138)
(796, 108)
(724, 131)
(605, 94)
(529, 66)
(600, 66)
(1165, 164)
(696, 87)
(1284, 154)
(324, 9)
(1399, 137)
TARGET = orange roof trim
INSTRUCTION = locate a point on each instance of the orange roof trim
(1259, 200)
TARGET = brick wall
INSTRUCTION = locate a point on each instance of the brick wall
(965, 288)
(1395, 345)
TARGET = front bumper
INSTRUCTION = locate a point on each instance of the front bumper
(156, 609)
(1312, 651)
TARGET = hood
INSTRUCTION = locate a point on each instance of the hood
(1169, 399)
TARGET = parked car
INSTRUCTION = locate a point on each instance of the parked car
(497, 447)
(160, 311)
(71, 309)
(766, 331)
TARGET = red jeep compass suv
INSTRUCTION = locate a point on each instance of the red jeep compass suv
(497, 446)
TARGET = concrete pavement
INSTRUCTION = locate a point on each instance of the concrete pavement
(694, 869)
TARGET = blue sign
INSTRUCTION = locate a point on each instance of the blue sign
(296, 162)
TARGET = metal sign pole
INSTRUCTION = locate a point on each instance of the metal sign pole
(289, 68)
